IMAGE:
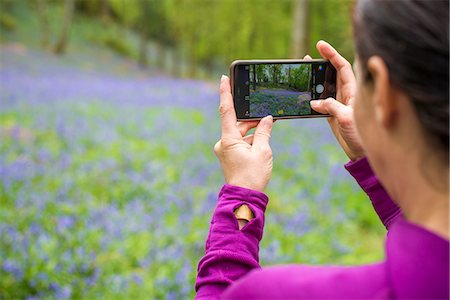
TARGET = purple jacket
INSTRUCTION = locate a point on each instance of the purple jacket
(416, 263)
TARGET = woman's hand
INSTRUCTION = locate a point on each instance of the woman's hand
(246, 160)
(341, 108)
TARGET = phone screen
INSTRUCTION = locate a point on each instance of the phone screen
(282, 90)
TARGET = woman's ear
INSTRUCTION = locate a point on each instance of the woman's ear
(385, 102)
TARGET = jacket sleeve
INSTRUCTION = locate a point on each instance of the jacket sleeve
(386, 209)
(230, 253)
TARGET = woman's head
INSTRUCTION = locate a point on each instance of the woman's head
(411, 41)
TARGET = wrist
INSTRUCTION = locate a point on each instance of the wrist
(231, 197)
(356, 156)
(247, 184)
(245, 196)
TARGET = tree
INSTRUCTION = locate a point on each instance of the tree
(144, 32)
(104, 11)
(153, 23)
(261, 73)
(275, 73)
(63, 41)
(253, 72)
(42, 7)
(300, 28)
(299, 77)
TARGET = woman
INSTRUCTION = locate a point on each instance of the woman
(395, 115)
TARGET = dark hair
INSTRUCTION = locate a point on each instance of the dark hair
(411, 36)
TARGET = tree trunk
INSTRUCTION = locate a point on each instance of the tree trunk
(300, 29)
(143, 62)
(160, 56)
(209, 67)
(192, 64)
(289, 77)
(254, 76)
(104, 11)
(176, 63)
(43, 18)
(63, 41)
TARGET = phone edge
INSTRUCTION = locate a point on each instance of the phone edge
(234, 63)
(285, 117)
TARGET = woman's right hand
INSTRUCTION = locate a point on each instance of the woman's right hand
(341, 108)
(246, 160)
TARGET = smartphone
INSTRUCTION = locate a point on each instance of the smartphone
(281, 88)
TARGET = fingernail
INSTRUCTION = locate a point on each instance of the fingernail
(315, 103)
(269, 120)
(223, 78)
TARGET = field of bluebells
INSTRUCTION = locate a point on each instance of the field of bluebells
(108, 181)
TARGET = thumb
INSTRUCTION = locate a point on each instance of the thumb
(328, 106)
(261, 136)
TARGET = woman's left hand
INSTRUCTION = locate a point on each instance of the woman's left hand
(341, 108)
(246, 160)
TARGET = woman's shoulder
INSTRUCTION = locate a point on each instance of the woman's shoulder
(417, 261)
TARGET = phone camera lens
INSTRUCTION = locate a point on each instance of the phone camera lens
(319, 88)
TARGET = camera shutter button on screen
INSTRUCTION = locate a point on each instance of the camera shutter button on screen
(319, 88)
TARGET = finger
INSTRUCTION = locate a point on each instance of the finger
(262, 133)
(244, 127)
(249, 139)
(328, 106)
(226, 109)
(307, 57)
(340, 63)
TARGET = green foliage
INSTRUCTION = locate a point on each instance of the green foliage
(210, 34)
(331, 21)
(295, 77)
(260, 73)
(275, 72)
(89, 7)
(7, 21)
(299, 77)
(128, 11)
(117, 45)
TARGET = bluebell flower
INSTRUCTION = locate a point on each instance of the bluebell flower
(10, 266)
(65, 223)
(137, 279)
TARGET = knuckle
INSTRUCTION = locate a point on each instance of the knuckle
(265, 155)
(226, 142)
(342, 63)
(347, 64)
(346, 122)
(264, 151)
(224, 108)
(267, 151)
(328, 101)
(218, 147)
